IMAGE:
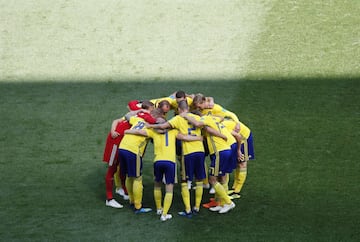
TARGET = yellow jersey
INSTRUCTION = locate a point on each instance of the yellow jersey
(218, 110)
(185, 127)
(215, 143)
(132, 142)
(244, 130)
(164, 144)
(172, 100)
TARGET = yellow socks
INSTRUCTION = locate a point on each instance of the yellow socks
(185, 196)
(167, 202)
(129, 185)
(198, 194)
(158, 197)
(240, 179)
(138, 192)
(222, 194)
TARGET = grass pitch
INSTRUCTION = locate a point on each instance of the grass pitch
(302, 185)
(296, 86)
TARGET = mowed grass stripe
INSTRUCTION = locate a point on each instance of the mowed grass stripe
(308, 39)
(112, 40)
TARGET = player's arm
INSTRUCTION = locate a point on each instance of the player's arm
(186, 137)
(133, 113)
(237, 127)
(232, 115)
(165, 125)
(215, 132)
(136, 132)
(192, 120)
(190, 95)
(239, 138)
(113, 131)
(219, 117)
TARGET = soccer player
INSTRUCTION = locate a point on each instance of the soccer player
(245, 153)
(164, 106)
(173, 99)
(164, 164)
(220, 154)
(131, 151)
(119, 178)
(110, 152)
(200, 102)
(193, 158)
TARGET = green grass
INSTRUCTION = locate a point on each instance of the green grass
(302, 185)
(308, 39)
(298, 92)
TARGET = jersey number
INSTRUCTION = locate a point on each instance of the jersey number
(139, 125)
(166, 138)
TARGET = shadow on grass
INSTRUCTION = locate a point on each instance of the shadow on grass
(298, 126)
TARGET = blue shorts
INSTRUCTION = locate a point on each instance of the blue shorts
(167, 168)
(247, 148)
(219, 163)
(193, 164)
(130, 163)
(233, 159)
(178, 147)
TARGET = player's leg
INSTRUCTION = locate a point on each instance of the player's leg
(247, 149)
(138, 187)
(241, 171)
(109, 181)
(128, 164)
(218, 167)
(170, 169)
(185, 193)
(200, 174)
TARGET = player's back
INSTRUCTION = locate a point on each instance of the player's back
(134, 143)
(244, 130)
(164, 144)
(185, 127)
(215, 143)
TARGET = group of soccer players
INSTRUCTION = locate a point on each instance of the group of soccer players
(199, 128)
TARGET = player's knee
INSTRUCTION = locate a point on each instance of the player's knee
(243, 164)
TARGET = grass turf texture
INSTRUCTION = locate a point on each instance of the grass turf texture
(302, 185)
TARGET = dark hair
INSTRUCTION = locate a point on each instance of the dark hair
(183, 105)
(146, 104)
(180, 94)
(164, 103)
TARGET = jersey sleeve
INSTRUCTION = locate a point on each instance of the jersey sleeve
(147, 117)
(174, 122)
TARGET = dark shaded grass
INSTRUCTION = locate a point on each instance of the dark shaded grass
(303, 184)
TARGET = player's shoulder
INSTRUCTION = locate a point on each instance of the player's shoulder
(173, 131)
(150, 132)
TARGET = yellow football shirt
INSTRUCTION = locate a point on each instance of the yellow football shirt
(215, 143)
(218, 110)
(244, 130)
(164, 144)
(185, 127)
(132, 142)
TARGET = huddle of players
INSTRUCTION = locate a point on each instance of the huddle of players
(188, 137)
